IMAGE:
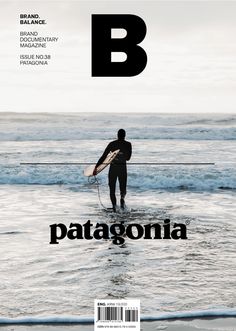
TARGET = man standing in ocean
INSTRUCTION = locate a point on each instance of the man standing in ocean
(118, 168)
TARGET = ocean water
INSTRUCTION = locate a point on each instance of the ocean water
(39, 279)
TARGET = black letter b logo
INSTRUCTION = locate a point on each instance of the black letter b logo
(103, 45)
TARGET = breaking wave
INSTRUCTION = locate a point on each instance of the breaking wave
(64, 127)
(155, 132)
(144, 178)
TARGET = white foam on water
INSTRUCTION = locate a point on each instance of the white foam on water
(175, 177)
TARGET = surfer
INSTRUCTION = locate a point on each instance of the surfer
(118, 167)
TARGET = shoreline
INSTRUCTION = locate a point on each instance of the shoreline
(199, 324)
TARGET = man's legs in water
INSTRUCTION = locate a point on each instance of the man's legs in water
(112, 177)
(122, 177)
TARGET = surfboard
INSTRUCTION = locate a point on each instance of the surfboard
(110, 157)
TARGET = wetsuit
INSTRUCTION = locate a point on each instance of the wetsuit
(118, 167)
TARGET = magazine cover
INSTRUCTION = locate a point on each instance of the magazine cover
(117, 165)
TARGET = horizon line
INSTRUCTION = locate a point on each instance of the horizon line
(133, 163)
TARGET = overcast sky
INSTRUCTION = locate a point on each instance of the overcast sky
(191, 48)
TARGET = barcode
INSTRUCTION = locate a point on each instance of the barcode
(110, 313)
(117, 314)
(131, 315)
